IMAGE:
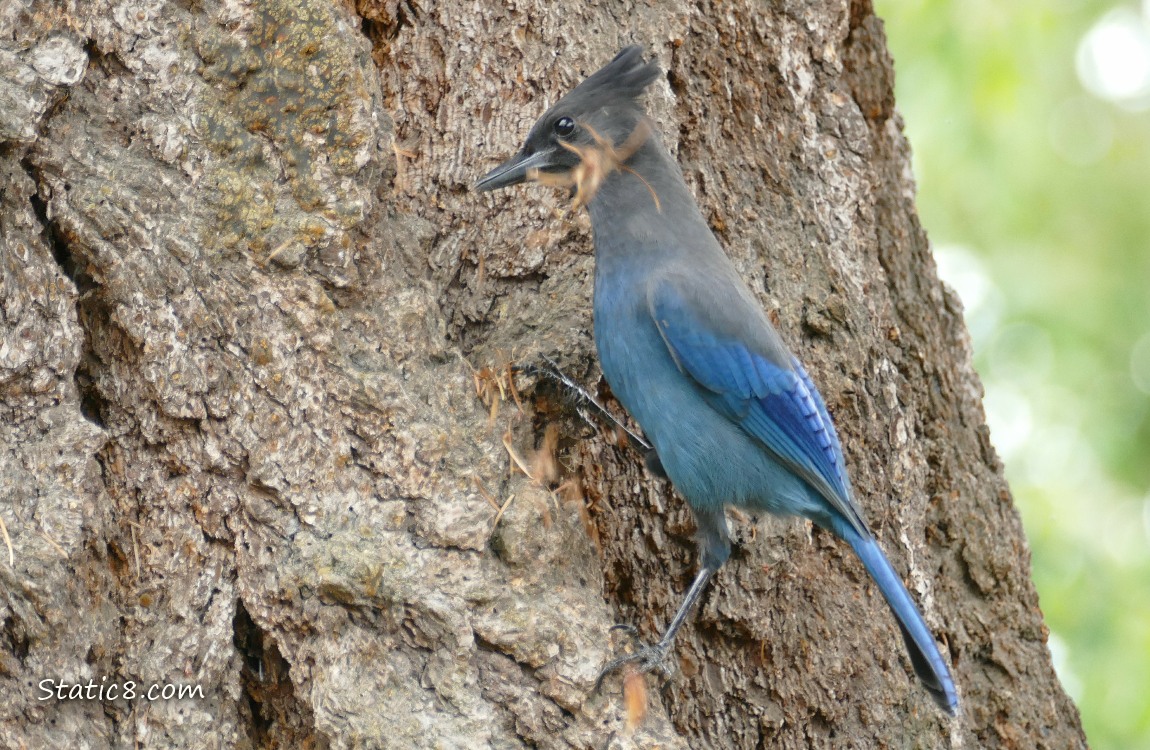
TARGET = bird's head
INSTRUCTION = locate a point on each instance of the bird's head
(587, 134)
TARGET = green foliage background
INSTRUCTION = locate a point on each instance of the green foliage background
(1036, 196)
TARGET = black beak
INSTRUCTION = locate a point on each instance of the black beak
(515, 170)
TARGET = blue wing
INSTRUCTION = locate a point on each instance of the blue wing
(757, 383)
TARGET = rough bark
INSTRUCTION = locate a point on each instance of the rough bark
(246, 301)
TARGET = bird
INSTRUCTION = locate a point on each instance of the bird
(733, 417)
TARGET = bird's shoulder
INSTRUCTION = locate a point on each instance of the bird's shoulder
(712, 306)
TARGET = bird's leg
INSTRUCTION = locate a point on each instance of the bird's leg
(655, 655)
(654, 464)
(584, 397)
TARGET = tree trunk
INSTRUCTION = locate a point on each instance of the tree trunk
(258, 420)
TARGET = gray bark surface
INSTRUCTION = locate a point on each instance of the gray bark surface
(253, 333)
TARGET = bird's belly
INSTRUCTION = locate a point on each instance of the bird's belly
(713, 461)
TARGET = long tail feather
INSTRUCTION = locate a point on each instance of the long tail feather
(924, 654)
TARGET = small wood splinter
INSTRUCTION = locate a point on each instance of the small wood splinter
(596, 163)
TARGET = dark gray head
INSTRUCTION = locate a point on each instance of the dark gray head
(606, 104)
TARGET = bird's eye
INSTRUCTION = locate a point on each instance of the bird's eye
(564, 127)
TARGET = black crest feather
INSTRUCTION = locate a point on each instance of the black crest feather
(622, 79)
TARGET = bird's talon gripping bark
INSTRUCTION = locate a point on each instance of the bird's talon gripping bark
(647, 659)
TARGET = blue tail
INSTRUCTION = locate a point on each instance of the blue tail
(924, 654)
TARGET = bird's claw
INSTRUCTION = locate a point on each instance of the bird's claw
(645, 659)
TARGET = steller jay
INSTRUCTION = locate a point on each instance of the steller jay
(733, 417)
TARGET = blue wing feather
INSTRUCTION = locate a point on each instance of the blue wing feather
(768, 393)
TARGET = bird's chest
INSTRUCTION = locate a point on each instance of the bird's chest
(633, 356)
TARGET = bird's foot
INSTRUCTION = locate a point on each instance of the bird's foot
(583, 398)
(646, 658)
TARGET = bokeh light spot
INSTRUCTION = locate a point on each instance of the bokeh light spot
(1113, 59)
